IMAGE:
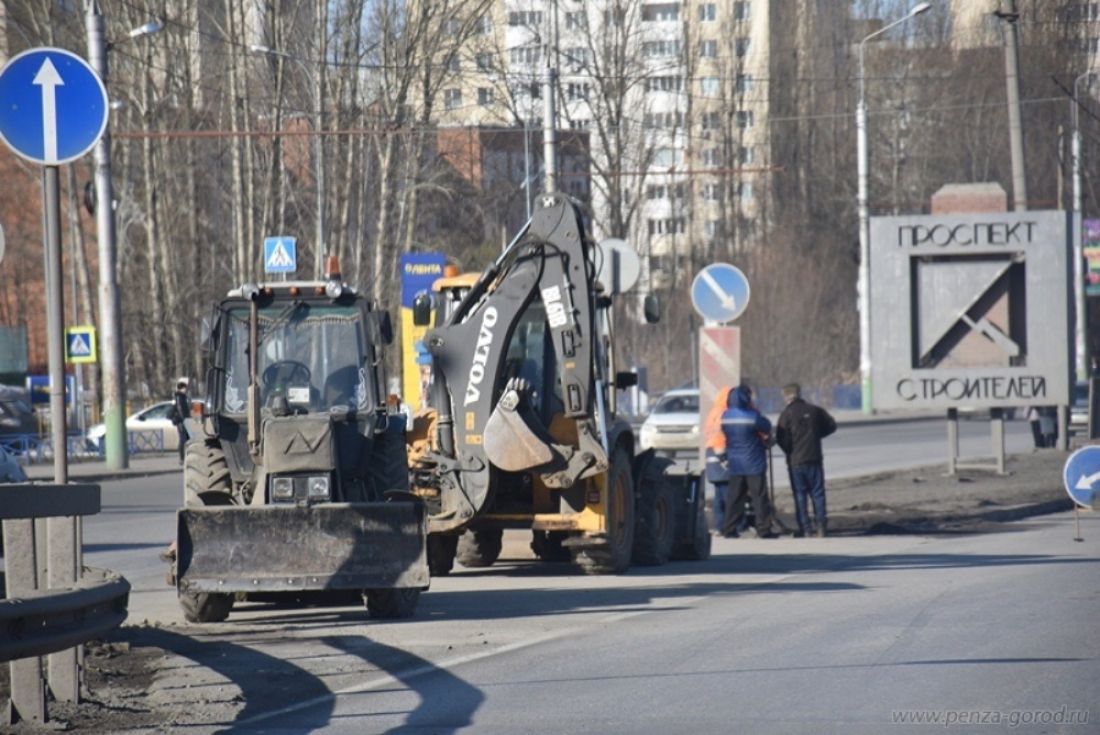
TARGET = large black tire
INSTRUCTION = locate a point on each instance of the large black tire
(206, 481)
(441, 554)
(205, 607)
(206, 478)
(614, 556)
(391, 604)
(698, 549)
(479, 548)
(655, 519)
(547, 546)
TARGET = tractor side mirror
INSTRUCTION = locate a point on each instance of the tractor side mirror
(212, 376)
(385, 327)
(652, 309)
(206, 335)
(626, 379)
(422, 309)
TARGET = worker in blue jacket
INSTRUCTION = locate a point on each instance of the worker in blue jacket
(748, 434)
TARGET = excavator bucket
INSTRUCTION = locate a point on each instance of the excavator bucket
(332, 546)
(511, 441)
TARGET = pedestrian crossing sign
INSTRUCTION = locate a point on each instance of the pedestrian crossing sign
(280, 254)
(80, 345)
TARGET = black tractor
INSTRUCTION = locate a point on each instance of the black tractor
(297, 484)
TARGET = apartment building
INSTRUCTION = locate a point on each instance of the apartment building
(675, 98)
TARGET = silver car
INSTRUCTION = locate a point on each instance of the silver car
(673, 424)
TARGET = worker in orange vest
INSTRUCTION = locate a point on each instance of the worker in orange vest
(714, 440)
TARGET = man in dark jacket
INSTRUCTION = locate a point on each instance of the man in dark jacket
(799, 432)
(181, 409)
(747, 434)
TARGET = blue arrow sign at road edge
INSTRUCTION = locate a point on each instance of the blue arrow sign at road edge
(720, 292)
(1082, 475)
(53, 106)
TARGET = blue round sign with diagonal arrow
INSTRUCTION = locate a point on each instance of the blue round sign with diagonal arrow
(720, 292)
(1082, 476)
(53, 106)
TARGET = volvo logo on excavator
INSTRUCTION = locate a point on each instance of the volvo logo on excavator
(481, 355)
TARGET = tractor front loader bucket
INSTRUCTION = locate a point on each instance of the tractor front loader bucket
(333, 546)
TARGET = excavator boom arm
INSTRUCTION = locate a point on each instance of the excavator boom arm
(551, 260)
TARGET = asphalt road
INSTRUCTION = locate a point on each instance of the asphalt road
(837, 635)
(841, 635)
(138, 516)
(844, 634)
(867, 449)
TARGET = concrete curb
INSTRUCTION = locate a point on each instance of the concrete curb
(1019, 512)
(127, 474)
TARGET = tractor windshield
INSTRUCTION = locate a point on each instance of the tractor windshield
(313, 355)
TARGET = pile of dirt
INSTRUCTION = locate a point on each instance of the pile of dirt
(927, 500)
(116, 677)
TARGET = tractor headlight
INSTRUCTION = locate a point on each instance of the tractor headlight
(334, 289)
(317, 488)
(282, 488)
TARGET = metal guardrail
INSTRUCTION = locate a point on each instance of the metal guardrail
(50, 607)
(37, 449)
(151, 440)
(51, 621)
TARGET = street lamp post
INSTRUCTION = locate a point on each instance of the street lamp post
(864, 286)
(318, 147)
(1080, 302)
(110, 310)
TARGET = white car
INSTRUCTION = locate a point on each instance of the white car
(673, 424)
(146, 423)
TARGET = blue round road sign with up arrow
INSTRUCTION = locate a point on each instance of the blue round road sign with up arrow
(1082, 476)
(53, 106)
(720, 293)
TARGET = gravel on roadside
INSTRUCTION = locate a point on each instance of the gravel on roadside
(928, 501)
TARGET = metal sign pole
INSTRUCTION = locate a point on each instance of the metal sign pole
(952, 441)
(63, 679)
(51, 129)
(55, 327)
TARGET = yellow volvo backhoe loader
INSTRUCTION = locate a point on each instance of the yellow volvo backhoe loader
(522, 430)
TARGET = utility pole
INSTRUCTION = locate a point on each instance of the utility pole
(1079, 299)
(110, 311)
(549, 110)
(1015, 128)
